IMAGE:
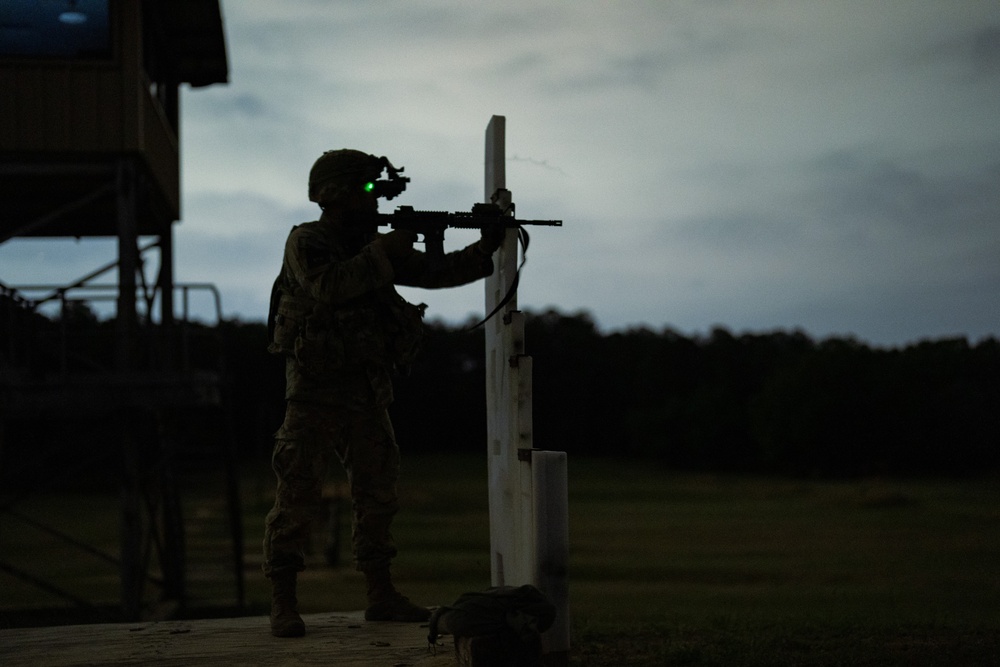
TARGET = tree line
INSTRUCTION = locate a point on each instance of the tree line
(777, 402)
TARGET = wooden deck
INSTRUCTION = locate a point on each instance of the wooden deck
(332, 639)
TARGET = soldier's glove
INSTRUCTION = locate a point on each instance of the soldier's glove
(398, 243)
(491, 239)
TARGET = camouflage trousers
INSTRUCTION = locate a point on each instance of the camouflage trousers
(365, 444)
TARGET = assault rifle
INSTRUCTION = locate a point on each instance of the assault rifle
(431, 225)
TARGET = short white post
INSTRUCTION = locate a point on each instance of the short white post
(550, 512)
(529, 535)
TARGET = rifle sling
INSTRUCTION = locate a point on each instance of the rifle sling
(523, 238)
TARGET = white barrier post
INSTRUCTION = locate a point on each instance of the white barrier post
(529, 537)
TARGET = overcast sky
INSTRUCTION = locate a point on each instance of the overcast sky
(830, 166)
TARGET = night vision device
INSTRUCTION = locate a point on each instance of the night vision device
(390, 187)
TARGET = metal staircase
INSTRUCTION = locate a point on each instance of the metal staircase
(67, 414)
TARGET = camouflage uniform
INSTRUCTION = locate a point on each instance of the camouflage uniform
(342, 328)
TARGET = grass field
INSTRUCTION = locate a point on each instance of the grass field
(680, 569)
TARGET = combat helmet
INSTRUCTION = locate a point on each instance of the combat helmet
(336, 171)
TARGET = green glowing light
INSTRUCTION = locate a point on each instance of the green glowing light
(369, 186)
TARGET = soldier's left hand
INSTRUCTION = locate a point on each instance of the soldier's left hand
(491, 239)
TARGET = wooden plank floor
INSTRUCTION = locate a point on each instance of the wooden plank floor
(332, 639)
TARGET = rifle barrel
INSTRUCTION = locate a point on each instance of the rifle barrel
(481, 216)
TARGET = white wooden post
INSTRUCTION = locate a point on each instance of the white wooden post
(508, 378)
(527, 494)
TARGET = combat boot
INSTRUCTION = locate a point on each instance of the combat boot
(285, 619)
(385, 603)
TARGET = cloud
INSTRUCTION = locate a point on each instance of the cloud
(986, 51)
(829, 166)
(754, 164)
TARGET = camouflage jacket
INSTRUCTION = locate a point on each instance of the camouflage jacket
(338, 319)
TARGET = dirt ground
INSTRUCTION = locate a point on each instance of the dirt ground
(346, 640)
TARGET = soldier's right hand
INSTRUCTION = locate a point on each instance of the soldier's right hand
(397, 243)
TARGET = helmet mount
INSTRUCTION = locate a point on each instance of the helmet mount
(390, 187)
(336, 172)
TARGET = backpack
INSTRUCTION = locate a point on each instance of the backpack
(518, 614)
